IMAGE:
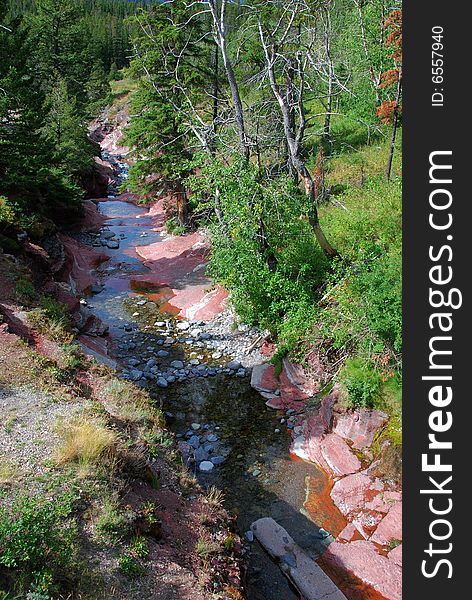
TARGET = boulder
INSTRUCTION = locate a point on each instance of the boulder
(338, 456)
(263, 378)
(359, 426)
(351, 493)
(295, 384)
(297, 566)
(361, 558)
(390, 527)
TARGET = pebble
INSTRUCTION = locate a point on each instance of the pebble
(183, 325)
(249, 536)
(162, 353)
(161, 382)
(177, 364)
(234, 365)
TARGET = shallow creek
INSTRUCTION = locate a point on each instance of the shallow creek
(258, 475)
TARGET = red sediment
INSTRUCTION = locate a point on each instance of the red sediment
(319, 506)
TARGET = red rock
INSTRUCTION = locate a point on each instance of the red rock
(337, 455)
(352, 493)
(366, 522)
(263, 378)
(362, 559)
(80, 262)
(326, 408)
(348, 534)
(390, 528)
(384, 501)
(359, 426)
(295, 383)
(396, 555)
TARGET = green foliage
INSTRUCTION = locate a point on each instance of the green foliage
(130, 566)
(361, 381)
(110, 525)
(263, 248)
(37, 542)
(24, 290)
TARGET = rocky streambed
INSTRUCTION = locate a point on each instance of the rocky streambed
(170, 330)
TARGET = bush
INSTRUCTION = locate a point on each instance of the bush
(362, 383)
(37, 542)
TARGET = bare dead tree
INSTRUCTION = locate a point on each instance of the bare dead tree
(220, 35)
(294, 130)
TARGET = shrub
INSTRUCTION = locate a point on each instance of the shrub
(361, 381)
(37, 542)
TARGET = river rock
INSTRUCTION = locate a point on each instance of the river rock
(302, 571)
(200, 454)
(162, 354)
(161, 382)
(177, 364)
(183, 325)
(206, 466)
(113, 244)
(194, 441)
(234, 365)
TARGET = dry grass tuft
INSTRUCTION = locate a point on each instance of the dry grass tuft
(85, 441)
(215, 497)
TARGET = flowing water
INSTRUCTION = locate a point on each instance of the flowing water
(258, 475)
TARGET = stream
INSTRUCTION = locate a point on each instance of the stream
(212, 409)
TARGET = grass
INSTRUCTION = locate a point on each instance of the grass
(9, 471)
(215, 497)
(130, 404)
(110, 526)
(206, 547)
(85, 441)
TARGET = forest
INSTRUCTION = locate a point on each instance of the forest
(271, 127)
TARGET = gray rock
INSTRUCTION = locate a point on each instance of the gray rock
(136, 374)
(206, 466)
(195, 426)
(217, 460)
(249, 536)
(234, 365)
(303, 572)
(162, 353)
(200, 454)
(212, 438)
(183, 325)
(177, 364)
(113, 244)
(161, 382)
(194, 441)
